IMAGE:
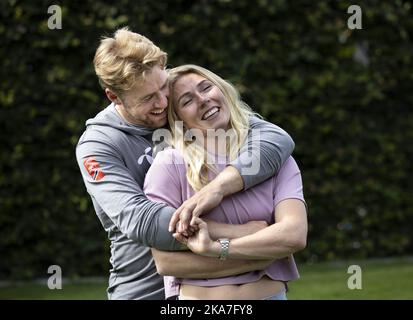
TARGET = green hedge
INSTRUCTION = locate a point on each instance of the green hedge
(293, 62)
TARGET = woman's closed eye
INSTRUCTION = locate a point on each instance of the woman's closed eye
(207, 87)
(186, 102)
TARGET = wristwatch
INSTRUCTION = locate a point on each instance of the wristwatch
(224, 248)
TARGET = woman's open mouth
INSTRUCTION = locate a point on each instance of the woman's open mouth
(211, 113)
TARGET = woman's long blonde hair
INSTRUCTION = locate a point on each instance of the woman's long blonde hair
(193, 153)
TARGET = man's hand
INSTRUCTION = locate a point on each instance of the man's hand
(203, 201)
(229, 181)
(199, 243)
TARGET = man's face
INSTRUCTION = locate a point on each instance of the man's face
(145, 104)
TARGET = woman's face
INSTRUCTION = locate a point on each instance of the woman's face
(200, 104)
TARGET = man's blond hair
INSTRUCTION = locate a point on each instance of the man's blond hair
(120, 62)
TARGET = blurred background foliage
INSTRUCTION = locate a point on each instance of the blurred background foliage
(345, 96)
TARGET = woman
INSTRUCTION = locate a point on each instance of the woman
(207, 104)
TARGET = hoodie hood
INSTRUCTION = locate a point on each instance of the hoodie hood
(109, 117)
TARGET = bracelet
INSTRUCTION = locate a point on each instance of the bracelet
(224, 248)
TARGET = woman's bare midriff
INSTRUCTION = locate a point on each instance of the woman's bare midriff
(263, 288)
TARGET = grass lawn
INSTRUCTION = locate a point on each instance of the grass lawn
(381, 279)
(75, 291)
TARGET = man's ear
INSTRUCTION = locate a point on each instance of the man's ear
(112, 96)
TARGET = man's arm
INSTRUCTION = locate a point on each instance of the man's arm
(111, 185)
(266, 149)
(190, 265)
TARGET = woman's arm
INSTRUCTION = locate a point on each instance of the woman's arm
(219, 230)
(287, 236)
(187, 264)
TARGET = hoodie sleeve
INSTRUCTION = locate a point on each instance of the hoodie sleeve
(110, 183)
(266, 149)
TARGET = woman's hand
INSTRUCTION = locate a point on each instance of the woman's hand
(200, 242)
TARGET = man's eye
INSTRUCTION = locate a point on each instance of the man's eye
(149, 98)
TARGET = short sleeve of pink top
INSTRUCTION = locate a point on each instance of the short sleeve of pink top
(166, 182)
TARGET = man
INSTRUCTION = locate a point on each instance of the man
(114, 154)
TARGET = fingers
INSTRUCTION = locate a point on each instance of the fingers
(195, 214)
(179, 227)
(193, 222)
(186, 215)
(180, 238)
(198, 222)
(183, 217)
(174, 219)
(191, 230)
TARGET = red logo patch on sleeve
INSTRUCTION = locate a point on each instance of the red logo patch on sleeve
(92, 167)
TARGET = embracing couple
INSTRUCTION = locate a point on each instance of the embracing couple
(213, 216)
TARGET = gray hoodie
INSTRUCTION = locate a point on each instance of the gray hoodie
(114, 156)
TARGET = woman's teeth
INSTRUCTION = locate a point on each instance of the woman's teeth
(210, 113)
